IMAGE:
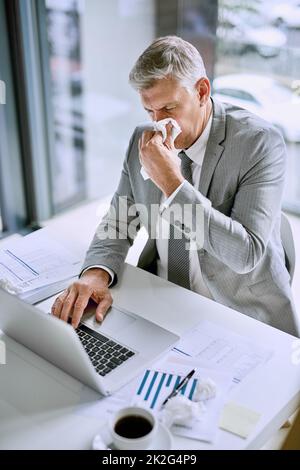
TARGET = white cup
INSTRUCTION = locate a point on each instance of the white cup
(133, 428)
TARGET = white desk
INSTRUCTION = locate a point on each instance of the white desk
(42, 407)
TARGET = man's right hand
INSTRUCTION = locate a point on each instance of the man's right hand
(93, 284)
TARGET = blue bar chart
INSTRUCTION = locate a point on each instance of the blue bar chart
(155, 386)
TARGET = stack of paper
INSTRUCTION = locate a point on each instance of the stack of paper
(218, 347)
(37, 266)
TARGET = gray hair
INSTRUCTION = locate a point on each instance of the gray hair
(168, 56)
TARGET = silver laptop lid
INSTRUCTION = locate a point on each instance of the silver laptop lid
(57, 342)
(49, 337)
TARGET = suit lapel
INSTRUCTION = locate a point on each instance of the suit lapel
(213, 149)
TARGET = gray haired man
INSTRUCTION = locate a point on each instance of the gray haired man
(231, 165)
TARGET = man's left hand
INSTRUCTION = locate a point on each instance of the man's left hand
(160, 160)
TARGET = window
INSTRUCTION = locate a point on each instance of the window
(70, 111)
(271, 66)
(1, 224)
(76, 109)
(241, 95)
(92, 111)
(68, 181)
(13, 205)
(90, 49)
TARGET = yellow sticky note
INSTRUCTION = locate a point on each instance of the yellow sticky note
(238, 419)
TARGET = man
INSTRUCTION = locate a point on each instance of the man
(231, 168)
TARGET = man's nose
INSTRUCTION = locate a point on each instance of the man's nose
(159, 115)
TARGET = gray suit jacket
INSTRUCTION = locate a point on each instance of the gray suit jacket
(240, 190)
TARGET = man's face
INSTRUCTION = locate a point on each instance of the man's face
(167, 98)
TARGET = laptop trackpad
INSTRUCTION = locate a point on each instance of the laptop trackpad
(115, 321)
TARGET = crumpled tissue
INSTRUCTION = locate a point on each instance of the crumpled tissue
(9, 287)
(205, 389)
(99, 444)
(102, 440)
(181, 410)
(160, 126)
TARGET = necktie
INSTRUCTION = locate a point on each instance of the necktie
(178, 255)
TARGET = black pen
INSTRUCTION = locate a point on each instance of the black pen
(179, 386)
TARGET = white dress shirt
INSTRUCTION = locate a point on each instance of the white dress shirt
(196, 153)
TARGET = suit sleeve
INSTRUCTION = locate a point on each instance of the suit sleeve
(240, 241)
(118, 228)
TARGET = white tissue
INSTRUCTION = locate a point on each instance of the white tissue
(180, 410)
(102, 440)
(9, 287)
(205, 390)
(160, 126)
(98, 443)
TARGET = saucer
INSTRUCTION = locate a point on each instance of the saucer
(162, 440)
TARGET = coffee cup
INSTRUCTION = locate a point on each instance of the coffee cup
(133, 428)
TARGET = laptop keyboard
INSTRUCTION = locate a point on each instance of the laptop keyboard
(104, 353)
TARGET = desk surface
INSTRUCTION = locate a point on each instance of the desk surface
(42, 407)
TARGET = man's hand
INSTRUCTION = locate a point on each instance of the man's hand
(93, 284)
(160, 160)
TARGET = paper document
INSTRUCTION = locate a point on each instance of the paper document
(36, 262)
(152, 386)
(217, 353)
(218, 347)
(157, 383)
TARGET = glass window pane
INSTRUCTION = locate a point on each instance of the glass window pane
(14, 213)
(258, 54)
(92, 47)
(65, 64)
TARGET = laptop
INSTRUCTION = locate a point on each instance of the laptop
(103, 356)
